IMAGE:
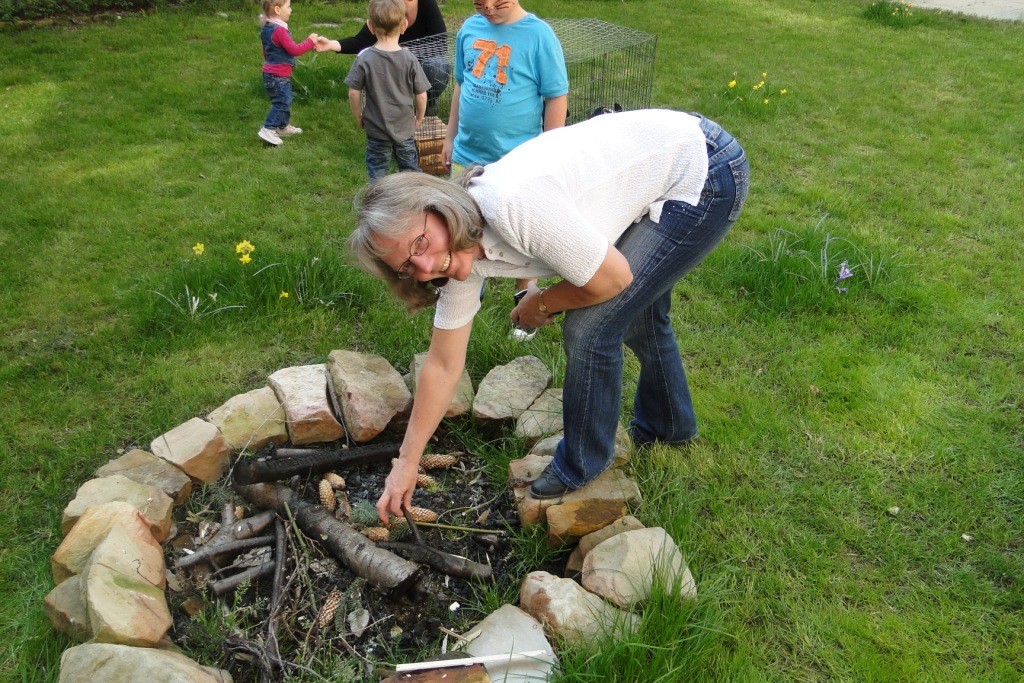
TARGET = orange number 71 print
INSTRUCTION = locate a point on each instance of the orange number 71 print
(488, 49)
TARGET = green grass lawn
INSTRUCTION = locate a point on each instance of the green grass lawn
(896, 148)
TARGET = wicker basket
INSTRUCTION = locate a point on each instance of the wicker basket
(429, 138)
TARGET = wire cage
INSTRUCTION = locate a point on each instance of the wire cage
(609, 67)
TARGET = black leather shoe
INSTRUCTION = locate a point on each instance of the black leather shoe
(548, 485)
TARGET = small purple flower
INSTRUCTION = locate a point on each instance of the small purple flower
(841, 290)
(844, 272)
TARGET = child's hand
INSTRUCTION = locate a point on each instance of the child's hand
(314, 38)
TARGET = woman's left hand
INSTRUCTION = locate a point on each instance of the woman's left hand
(527, 313)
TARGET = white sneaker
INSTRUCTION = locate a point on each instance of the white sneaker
(289, 130)
(270, 137)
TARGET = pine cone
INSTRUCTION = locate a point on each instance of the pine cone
(422, 515)
(437, 461)
(330, 606)
(376, 533)
(426, 481)
(327, 498)
(337, 481)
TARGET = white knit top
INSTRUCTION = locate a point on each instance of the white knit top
(553, 205)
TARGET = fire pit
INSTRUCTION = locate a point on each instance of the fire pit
(315, 602)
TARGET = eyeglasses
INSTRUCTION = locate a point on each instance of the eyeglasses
(417, 248)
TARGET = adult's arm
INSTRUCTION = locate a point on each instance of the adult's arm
(357, 43)
(611, 277)
(428, 21)
(435, 388)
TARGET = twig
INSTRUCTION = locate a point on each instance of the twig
(224, 585)
(453, 634)
(231, 531)
(468, 530)
(240, 643)
(280, 559)
(412, 525)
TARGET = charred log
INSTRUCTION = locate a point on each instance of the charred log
(288, 462)
(453, 565)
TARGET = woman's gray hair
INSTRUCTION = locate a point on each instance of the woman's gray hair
(390, 206)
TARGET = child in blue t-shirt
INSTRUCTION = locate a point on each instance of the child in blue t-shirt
(510, 83)
(510, 86)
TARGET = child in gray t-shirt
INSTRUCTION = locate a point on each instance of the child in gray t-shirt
(387, 91)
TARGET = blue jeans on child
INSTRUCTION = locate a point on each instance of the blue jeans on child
(378, 156)
(279, 88)
(659, 255)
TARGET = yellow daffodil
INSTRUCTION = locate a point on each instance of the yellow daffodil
(766, 100)
(245, 258)
(284, 295)
(783, 91)
(732, 83)
(198, 248)
(244, 247)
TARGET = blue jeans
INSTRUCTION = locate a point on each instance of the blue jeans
(378, 156)
(279, 88)
(659, 255)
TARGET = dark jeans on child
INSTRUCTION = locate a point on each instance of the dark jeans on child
(379, 152)
(279, 88)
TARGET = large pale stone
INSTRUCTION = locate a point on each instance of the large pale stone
(302, 390)
(627, 523)
(509, 629)
(65, 607)
(523, 472)
(145, 468)
(369, 390)
(543, 417)
(462, 401)
(251, 420)
(569, 611)
(623, 446)
(155, 505)
(73, 553)
(127, 554)
(195, 446)
(569, 521)
(508, 390)
(612, 485)
(623, 568)
(124, 608)
(547, 445)
(105, 662)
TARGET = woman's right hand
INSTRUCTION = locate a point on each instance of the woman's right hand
(398, 489)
